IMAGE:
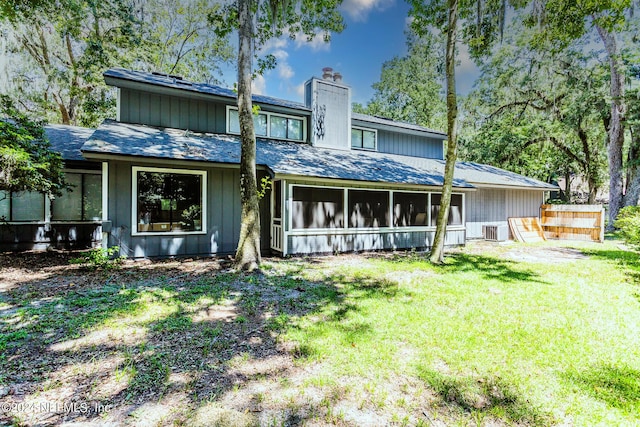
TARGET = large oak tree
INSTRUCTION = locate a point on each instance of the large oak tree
(256, 22)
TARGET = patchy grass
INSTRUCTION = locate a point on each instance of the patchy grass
(500, 335)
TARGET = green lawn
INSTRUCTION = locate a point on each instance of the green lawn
(542, 334)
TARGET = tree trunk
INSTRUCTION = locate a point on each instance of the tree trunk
(248, 253)
(567, 187)
(632, 193)
(616, 128)
(437, 251)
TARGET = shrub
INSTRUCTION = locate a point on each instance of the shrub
(628, 222)
(105, 259)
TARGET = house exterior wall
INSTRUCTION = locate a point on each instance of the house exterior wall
(171, 111)
(409, 145)
(41, 235)
(491, 206)
(222, 215)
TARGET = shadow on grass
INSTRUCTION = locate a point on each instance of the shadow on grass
(176, 331)
(490, 268)
(197, 330)
(618, 387)
(627, 260)
(484, 396)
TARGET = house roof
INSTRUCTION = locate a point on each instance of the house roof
(176, 82)
(68, 140)
(394, 123)
(289, 158)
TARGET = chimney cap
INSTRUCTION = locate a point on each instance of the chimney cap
(337, 77)
(327, 73)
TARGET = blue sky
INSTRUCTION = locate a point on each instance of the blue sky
(375, 32)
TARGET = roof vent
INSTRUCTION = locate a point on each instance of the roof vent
(327, 73)
(337, 77)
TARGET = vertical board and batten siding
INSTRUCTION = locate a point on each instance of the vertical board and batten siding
(223, 216)
(492, 206)
(408, 145)
(172, 112)
(524, 203)
(484, 207)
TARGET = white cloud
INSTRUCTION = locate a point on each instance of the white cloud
(316, 44)
(259, 85)
(359, 10)
(284, 70)
(275, 44)
(299, 89)
(280, 54)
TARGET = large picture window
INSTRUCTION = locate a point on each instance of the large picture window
(315, 207)
(169, 200)
(455, 211)
(83, 202)
(22, 206)
(409, 209)
(368, 208)
(270, 125)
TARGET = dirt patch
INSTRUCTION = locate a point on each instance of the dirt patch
(544, 253)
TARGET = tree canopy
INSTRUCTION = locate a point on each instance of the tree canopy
(58, 54)
(27, 162)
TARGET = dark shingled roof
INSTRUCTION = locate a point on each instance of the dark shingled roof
(282, 157)
(177, 83)
(68, 140)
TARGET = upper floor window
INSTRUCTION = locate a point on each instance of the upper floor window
(270, 125)
(364, 139)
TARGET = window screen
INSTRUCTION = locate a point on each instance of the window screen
(455, 211)
(368, 208)
(27, 206)
(317, 208)
(409, 209)
(68, 206)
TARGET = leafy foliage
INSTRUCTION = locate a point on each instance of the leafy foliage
(100, 258)
(26, 160)
(58, 54)
(628, 222)
(410, 87)
(538, 113)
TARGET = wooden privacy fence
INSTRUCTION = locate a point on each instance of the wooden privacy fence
(573, 222)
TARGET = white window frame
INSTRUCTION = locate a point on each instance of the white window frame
(134, 200)
(426, 194)
(325, 187)
(375, 132)
(269, 114)
(290, 231)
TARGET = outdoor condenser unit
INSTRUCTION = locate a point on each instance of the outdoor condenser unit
(496, 233)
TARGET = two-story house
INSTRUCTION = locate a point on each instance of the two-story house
(341, 181)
